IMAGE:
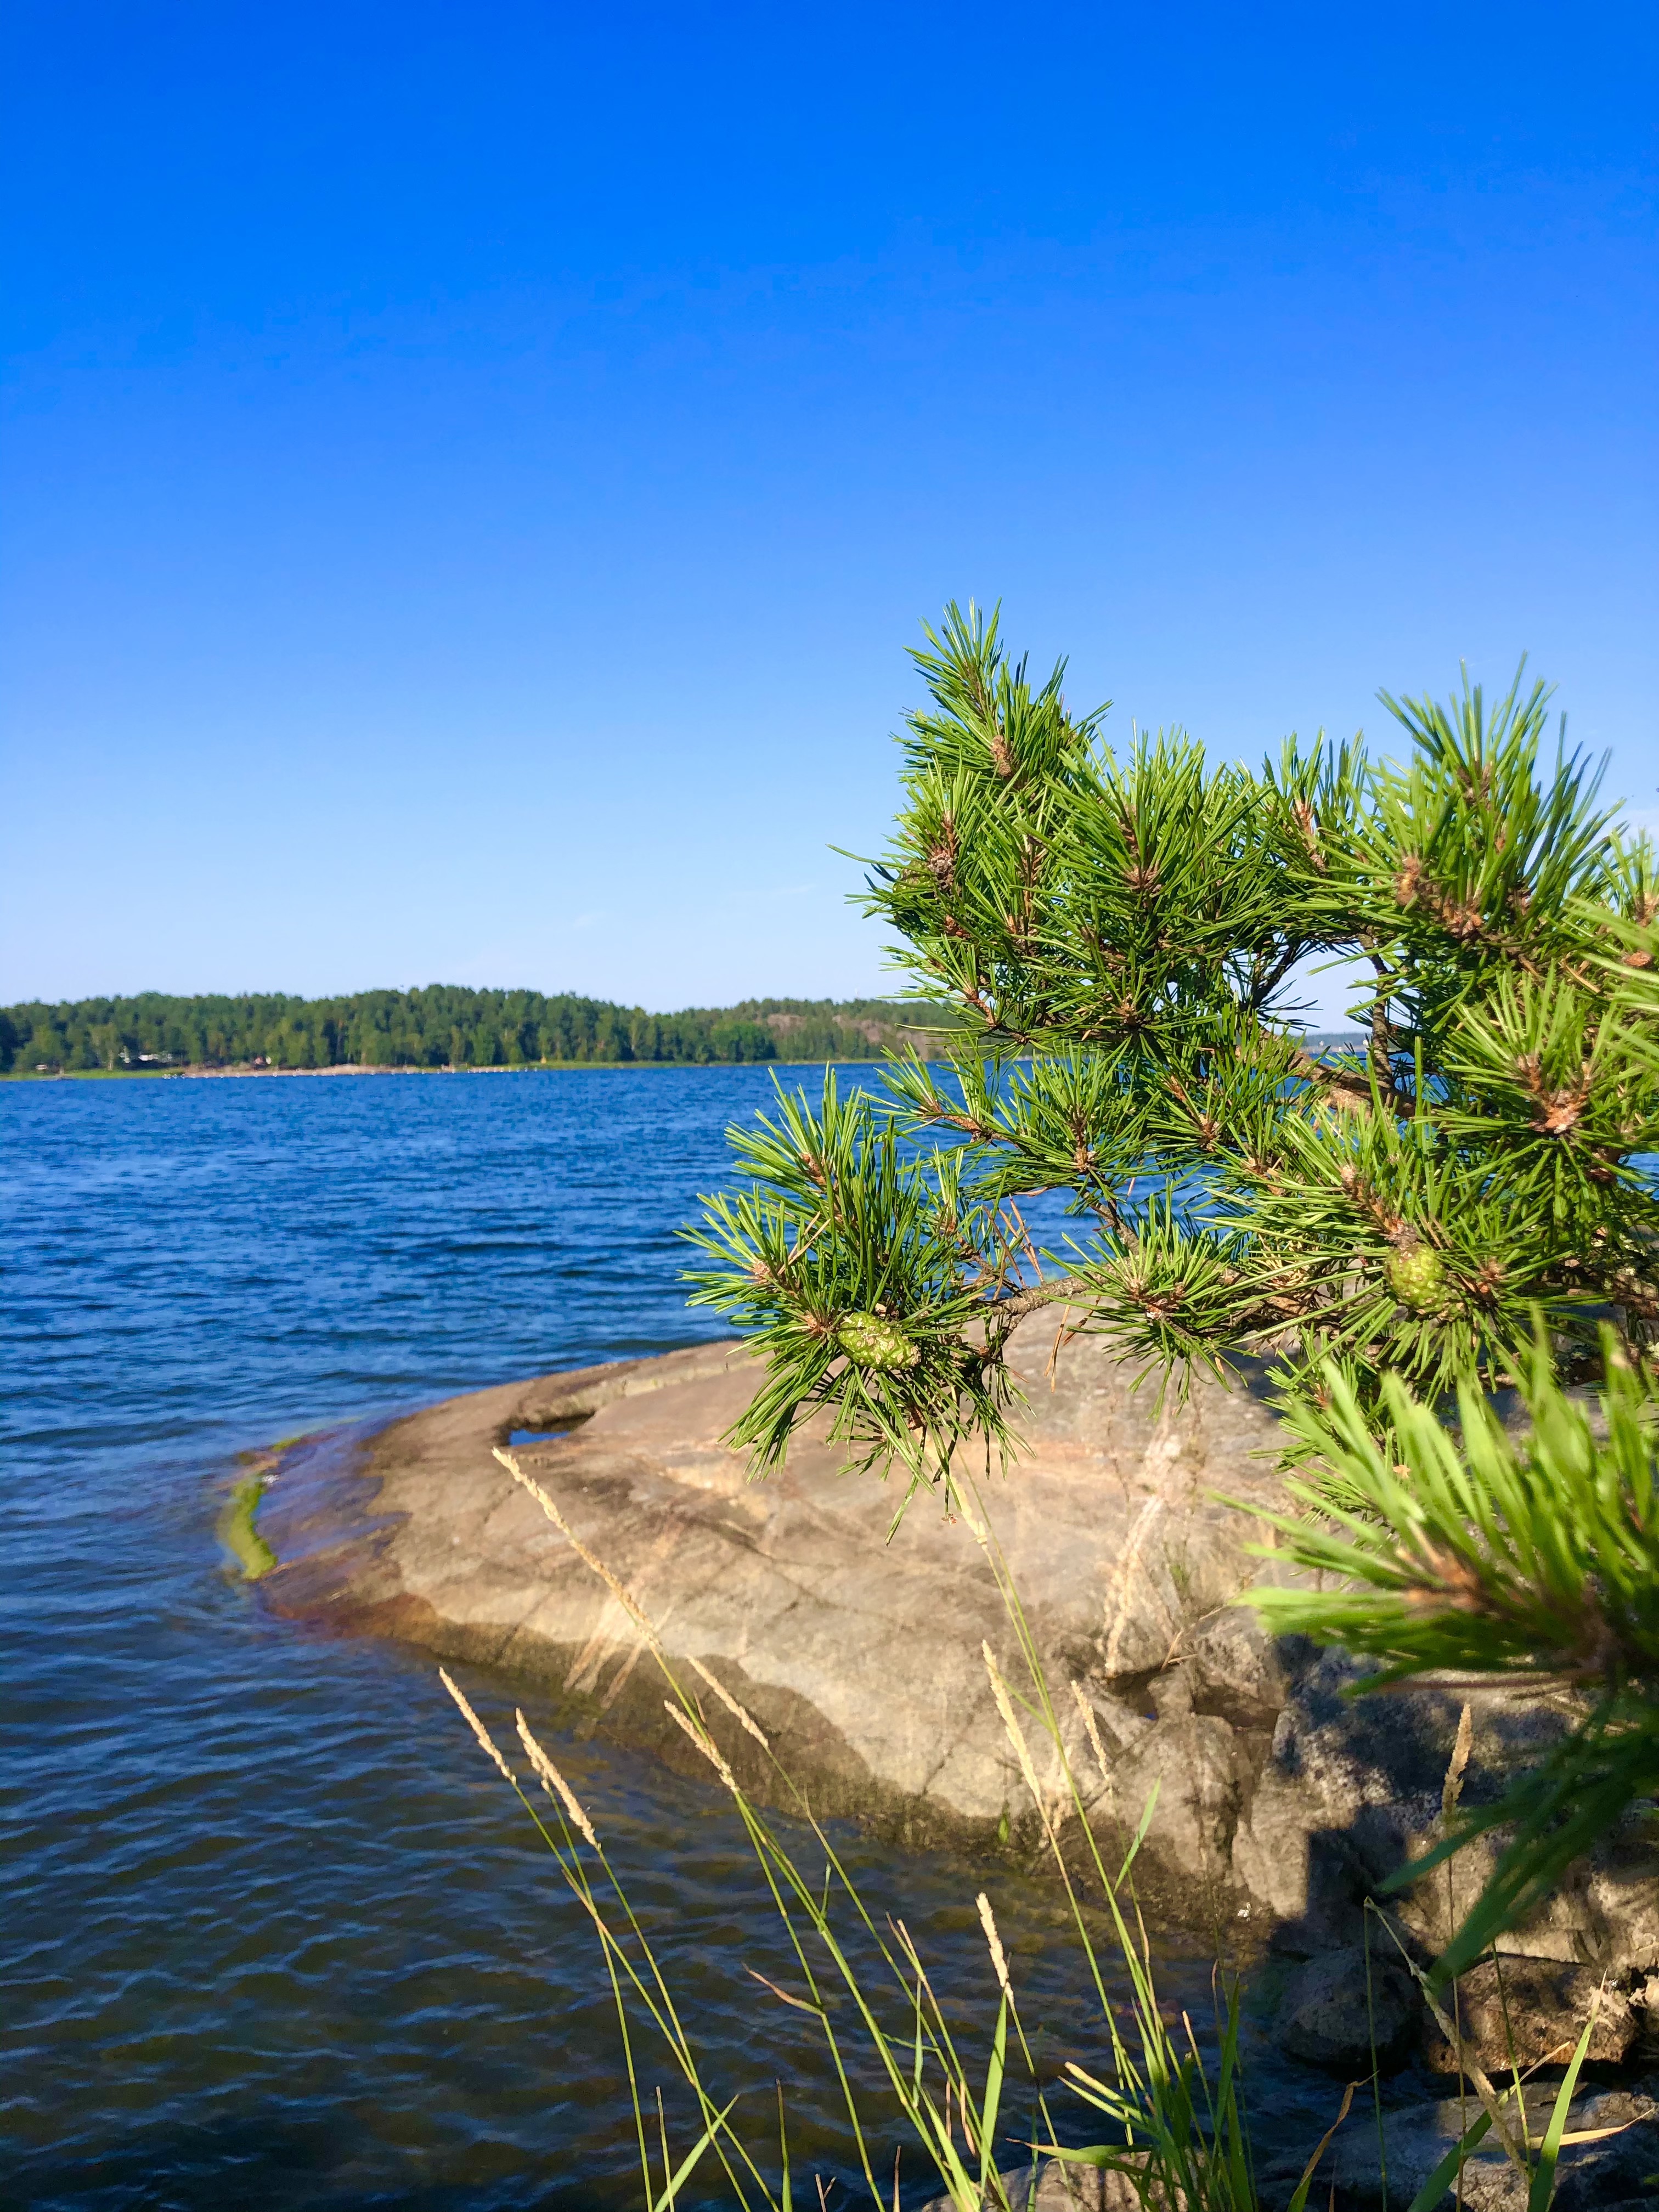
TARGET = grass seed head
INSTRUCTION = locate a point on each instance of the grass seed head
(475, 1723)
(553, 1782)
(998, 1957)
(704, 1742)
(740, 1713)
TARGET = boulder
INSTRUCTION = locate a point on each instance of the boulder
(1278, 1793)
(1191, 1761)
(1612, 2164)
(1515, 2011)
(861, 1658)
(1060, 2186)
(1614, 2170)
(1346, 2012)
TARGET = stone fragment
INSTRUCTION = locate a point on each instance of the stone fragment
(1514, 2011)
(1236, 1669)
(1119, 1724)
(1171, 1693)
(1331, 2016)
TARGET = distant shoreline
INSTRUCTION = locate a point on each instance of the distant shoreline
(527, 1068)
(1327, 1038)
(442, 1025)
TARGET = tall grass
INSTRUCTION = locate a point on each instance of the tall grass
(1176, 2135)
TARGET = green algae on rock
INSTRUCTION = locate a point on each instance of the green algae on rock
(237, 1532)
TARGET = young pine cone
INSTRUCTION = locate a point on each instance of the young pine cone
(870, 1341)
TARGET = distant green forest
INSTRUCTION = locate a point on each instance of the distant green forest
(441, 1026)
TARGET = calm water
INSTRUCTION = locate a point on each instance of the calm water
(273, 1933)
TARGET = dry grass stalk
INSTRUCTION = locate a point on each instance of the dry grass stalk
(1494, 2104)
(1091, 1728)
(475, 1723)
(704, 1742)
(1452, 1788)
(999, 1959)
(738, 1713)
(1006, 1707)
(623, 1596)
(553, 1782)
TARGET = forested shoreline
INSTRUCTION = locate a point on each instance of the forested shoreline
(443, 1025)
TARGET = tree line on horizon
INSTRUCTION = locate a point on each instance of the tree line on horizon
(443, 1025)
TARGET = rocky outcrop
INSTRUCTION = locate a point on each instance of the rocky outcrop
(1280, 1802)
(861, 1657)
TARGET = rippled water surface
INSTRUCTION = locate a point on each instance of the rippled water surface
(273, 1934)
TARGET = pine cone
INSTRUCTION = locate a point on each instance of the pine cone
(870, 1341)
(1417, 1277)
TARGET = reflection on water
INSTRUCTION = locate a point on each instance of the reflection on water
(274, 1934)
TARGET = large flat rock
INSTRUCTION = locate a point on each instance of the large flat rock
(859, 1656)
(858, 1648)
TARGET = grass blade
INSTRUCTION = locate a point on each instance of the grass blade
(1451, 2166)
(1306, 2182)
(1543, 2180)
(682, 2173)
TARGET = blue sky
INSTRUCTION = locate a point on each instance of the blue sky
(472, 473)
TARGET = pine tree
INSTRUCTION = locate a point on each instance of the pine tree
(1122, 939)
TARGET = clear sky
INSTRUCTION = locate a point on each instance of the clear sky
(472, 471)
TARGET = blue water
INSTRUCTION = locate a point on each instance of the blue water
(273, 1934)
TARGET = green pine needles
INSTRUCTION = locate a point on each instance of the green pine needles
(1401, 1232)
(1479, 1557)
(1122, 939)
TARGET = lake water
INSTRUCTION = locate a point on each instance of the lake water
(274, 1934)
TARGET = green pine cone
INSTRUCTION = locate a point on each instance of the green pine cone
(1417, 1276)
(870, 1341)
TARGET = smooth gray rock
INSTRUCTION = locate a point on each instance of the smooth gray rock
(861, 1658)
